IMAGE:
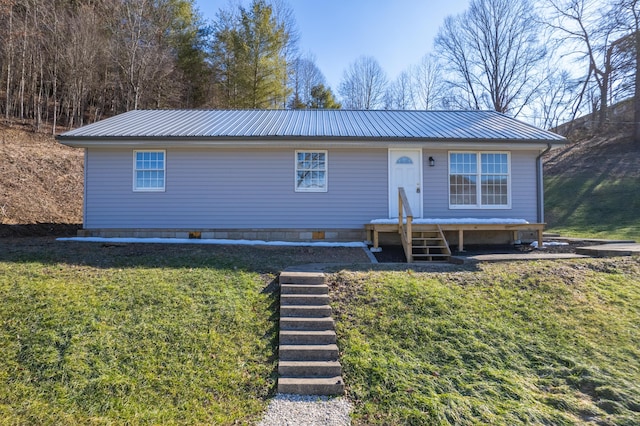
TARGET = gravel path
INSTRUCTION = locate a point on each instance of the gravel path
(303, 410)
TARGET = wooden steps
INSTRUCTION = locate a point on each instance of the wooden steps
(428, 244)
(308, 354)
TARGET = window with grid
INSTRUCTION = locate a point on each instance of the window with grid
(478, 179)
(148, 170)
(463, 171)
(494, 178)
(311, 171)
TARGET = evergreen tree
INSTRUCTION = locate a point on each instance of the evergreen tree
(249, 57)
(305, 76)
(322, 98)
(187, 37)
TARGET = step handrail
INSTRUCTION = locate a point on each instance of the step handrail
(446, 244)
(404, 209)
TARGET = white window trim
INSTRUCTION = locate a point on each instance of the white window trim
(326, 171)
(479, 205)
(164, 182)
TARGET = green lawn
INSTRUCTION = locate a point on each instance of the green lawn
(503, 344)
(175, 334)
(139, 334)
(144, 345)
(593, 206)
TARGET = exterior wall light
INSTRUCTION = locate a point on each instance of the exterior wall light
(432, 162)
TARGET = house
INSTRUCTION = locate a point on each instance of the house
(305, 174)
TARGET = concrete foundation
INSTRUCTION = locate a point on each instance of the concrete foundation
(280, 234)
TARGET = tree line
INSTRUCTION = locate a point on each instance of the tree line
(70, 62)
(544, 61)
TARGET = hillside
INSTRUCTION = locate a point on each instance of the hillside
(613, 155)
(41, 181)
(592, 187)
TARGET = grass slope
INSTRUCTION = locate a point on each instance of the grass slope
(594, 206)
(140, 333)
(592, 188)
(178, 334)
(144, 345)
(506, 344)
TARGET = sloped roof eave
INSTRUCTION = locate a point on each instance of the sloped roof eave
(256, 126)
(273, 141)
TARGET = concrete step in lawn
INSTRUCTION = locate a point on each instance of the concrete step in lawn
(309, 368)
(304, 299)
(305, 311)
(299, 289)
(302, 278)
(308, 352)
(307, 337)
(311, 385)
(293, 323)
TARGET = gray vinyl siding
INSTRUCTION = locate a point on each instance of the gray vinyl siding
(223, 188)
(523, 189)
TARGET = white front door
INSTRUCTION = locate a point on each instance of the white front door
(405, 170)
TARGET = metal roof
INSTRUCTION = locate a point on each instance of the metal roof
(314, 124)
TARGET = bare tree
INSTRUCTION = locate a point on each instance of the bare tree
(7, 14)
(306, 76)
(363, 84)
(556, 100)
(427, 83)
(400, 93)
(492, 54)
(418, 87)
(79, 53)
(623, 69)
(596, 39)
(137, 50)
(74, 60)
(49, 36)
(627, 17)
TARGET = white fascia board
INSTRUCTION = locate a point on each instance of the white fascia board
(307, 143)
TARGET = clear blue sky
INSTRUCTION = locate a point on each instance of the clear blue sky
(398, 33)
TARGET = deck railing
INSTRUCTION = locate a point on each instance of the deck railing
(404, 209)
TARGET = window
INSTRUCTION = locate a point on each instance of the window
(311, 171)
(404, 160)
(479, 180)
(148, 170)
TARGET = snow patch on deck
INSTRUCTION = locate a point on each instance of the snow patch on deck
(465, 221)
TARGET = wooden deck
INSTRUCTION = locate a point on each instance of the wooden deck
(373, 230)
(428, 242)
